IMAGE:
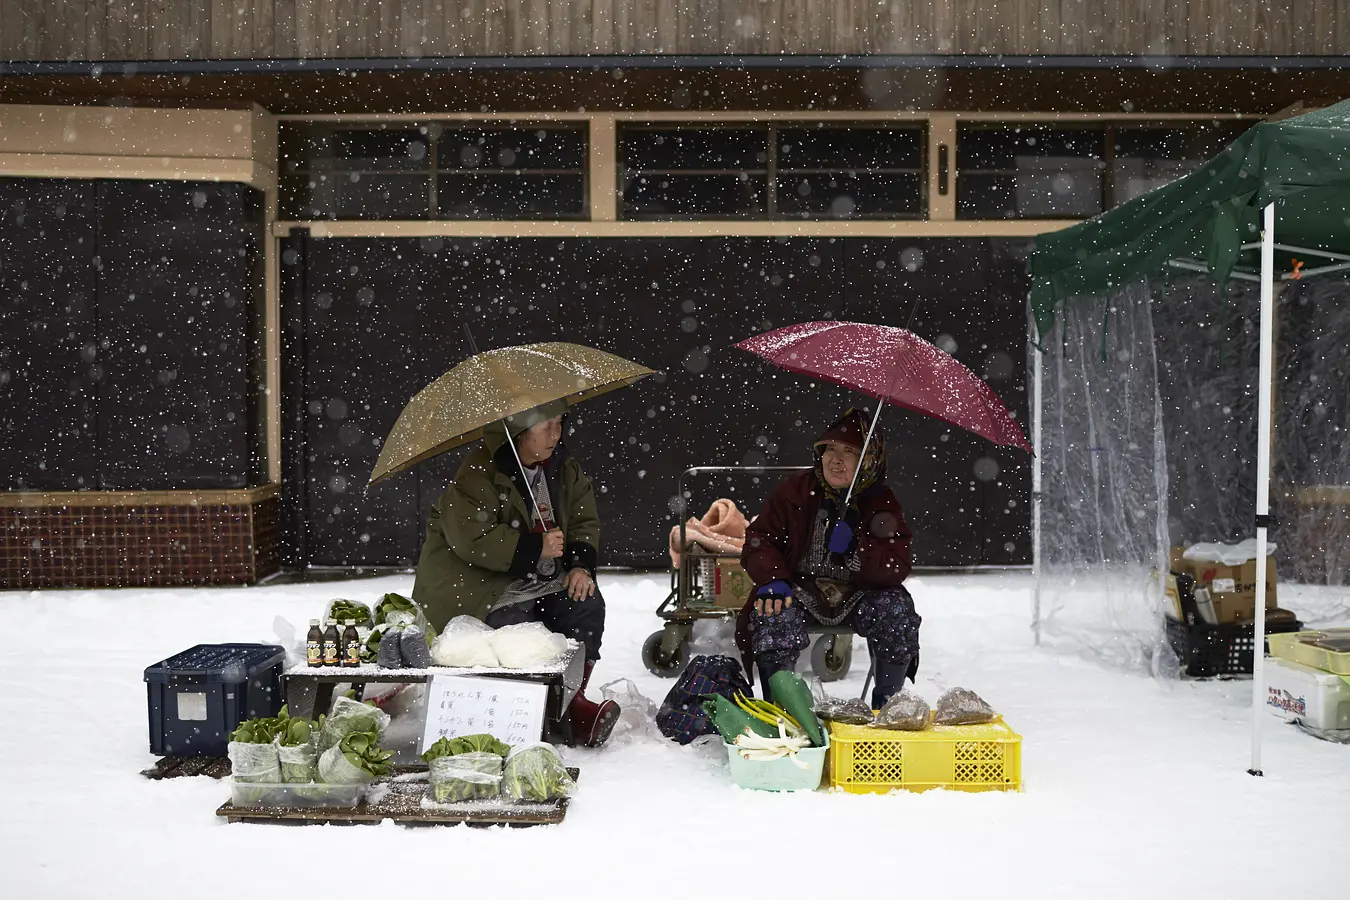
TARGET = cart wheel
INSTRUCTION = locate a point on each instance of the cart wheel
(831, 656)
(657, 663)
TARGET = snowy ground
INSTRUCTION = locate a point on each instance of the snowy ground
(1134, 787)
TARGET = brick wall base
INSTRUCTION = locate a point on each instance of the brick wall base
(129, 545)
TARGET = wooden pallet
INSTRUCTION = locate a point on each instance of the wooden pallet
(187, 766)
(401, 802)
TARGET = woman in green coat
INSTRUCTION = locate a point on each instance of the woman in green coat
(492, 553)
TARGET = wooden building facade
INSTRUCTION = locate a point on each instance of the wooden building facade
(236, 237)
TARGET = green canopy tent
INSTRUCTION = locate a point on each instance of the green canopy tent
(1287, 180)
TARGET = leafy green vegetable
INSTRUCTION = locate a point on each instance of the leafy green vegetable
(262, 731)
(536, 774)
(362, 750)
(473, 743)
(341, 610)
(394, 603)
(793, 695)
(464, 786)
(731, 721)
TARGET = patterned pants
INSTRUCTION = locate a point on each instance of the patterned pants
(886, 618)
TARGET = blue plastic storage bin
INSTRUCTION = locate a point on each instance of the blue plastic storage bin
(197, 697)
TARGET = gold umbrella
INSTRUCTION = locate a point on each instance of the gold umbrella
(456, 408)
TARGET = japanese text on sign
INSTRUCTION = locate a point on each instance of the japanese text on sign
(509, 710)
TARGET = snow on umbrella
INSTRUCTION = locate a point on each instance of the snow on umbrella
(894, 366)
(456, 408)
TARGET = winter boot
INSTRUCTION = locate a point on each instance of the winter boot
(769, 664)
(890, 680)
(591, 722)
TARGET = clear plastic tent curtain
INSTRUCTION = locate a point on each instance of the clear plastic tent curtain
(1148, 440)
(1103, 508)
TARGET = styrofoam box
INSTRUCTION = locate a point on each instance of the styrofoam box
(1317, 699)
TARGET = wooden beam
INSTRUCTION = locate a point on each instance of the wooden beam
(731, 228)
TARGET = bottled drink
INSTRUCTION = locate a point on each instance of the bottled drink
(351, 645)
(330, 645)
(314, 644)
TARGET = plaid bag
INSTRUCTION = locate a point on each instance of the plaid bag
(681, 717)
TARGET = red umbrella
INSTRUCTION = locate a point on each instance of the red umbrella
(895, 366)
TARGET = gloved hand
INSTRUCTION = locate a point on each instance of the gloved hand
(841, 537)
(773, 598)
(779, 588)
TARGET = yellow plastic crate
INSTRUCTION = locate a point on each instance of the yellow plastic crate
(1291, 647)
(865, 760)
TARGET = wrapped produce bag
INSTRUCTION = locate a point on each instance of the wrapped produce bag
(298, 753)
(356, 759)
(535, 774)
(350, 716)
(469, 776)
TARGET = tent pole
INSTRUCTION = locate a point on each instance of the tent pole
(1263, 423)
(1038, 372)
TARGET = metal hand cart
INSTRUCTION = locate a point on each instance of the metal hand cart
(694, 596)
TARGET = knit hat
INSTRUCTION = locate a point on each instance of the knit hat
(851, 429)
(515, 424)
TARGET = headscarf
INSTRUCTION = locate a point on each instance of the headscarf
(851, 429)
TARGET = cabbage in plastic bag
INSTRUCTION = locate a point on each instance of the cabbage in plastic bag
(299, 765)
(959, 706)
(464, 644)
(254, 763)
(535, 773)
(350, 716)
(529, 645)
(905, 711)
(468, 776)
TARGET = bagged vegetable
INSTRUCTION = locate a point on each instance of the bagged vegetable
(412, 645)
(470, 743)
(468, 776)
(852, 711)
(254, 763)
(357, 759)
(350, 716)
(453, 785)
(396, 609)
(377, 651)
(464, 643)
(535, 773)
(529, 645)
(905, 711)
(340, 610)
(297, 753)
(959, 706)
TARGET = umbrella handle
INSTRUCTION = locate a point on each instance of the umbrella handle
(516, 453)
(862, 455)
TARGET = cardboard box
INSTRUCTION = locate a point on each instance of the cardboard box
(1232, 589)
(733, 585)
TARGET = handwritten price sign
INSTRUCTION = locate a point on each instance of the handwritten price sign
(509, 710)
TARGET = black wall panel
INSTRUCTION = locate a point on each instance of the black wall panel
(179, 267)
(49, 365)
(967, 500)
(385, 317)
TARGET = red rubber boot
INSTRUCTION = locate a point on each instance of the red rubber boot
(592, 723)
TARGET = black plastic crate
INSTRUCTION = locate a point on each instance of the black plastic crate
(197, 697)
(1209, 651)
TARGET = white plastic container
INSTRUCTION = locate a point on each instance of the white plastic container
(1318, 699)
(303, 796)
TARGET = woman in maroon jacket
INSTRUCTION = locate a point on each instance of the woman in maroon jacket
(813, 562)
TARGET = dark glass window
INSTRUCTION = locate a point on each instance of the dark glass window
(1034, 171)
(810, 171)
(1151, 156)
(1029, 172)
(687, 172)
(433, 170)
